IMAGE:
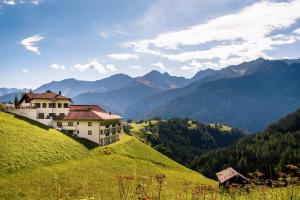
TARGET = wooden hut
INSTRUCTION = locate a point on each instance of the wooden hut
(229, 176)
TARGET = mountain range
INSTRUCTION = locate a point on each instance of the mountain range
(247, 96)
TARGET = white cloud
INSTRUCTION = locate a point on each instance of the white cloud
(136, 67)
(14, 2)
(160, 65)
(56, 66)
(243, 36)
(30, 43)
(111, 67)
(196, 66)
(203, 65)
(36, 2)
(123, 56)
(252, 23)
(114, 32)
(186, 68)
(297, 31)
(9, 2)
(103, 34)
(25, 70)
(96, 66)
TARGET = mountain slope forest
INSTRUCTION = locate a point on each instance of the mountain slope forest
(38, 162)
(182, 139)
(268, 152)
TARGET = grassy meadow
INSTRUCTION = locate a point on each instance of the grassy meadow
(38, 162)
(41, 163)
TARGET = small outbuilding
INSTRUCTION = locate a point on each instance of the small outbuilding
(229, 176)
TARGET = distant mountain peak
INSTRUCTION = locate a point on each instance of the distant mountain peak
(153, 73)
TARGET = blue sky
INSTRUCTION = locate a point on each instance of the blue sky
(45, 40)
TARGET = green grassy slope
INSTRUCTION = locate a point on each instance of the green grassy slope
(27, 145)
(37, 163)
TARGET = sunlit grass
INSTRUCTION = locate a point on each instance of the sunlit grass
(72, 171)
(221, 127)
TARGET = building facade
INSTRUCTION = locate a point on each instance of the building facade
(85, 121)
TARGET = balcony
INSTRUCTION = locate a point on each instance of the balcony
(69, 128)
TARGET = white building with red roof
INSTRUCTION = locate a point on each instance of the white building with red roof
(86, 121)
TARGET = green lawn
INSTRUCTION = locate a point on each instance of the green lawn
(42, 163)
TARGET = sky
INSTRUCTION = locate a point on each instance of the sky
(46, 40)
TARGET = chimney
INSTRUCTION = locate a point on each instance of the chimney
(59, 92)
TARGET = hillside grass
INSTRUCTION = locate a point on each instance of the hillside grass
(42, 163)
(28, 144)
(135, 128)
(221, 127)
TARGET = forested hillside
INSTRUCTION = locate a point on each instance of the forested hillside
(267, 152)
(184, 139)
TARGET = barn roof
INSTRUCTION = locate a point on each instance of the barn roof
(228, 174)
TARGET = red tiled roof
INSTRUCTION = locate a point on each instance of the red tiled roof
(46, 95)
(86, 108)
(89, 112)
(89, 115)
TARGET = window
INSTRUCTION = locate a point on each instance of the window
(90, 132)
(41, 116)
(59, 124)
(44, 105)
(106, 132)
(107, 126)
(77, 123)
(90, 123)
(101, 132)
(59, 105)
(66, 105)
(62, 114)
(52, 105)
(37, 105)
(70, 123)
(52, 115)
(77, 132)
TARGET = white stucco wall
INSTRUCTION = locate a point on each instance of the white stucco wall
(83, 129)
(48, 110)
(31, 114)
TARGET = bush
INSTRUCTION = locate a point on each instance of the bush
(2, 107)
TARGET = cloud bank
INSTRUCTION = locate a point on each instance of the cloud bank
(229, 39)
